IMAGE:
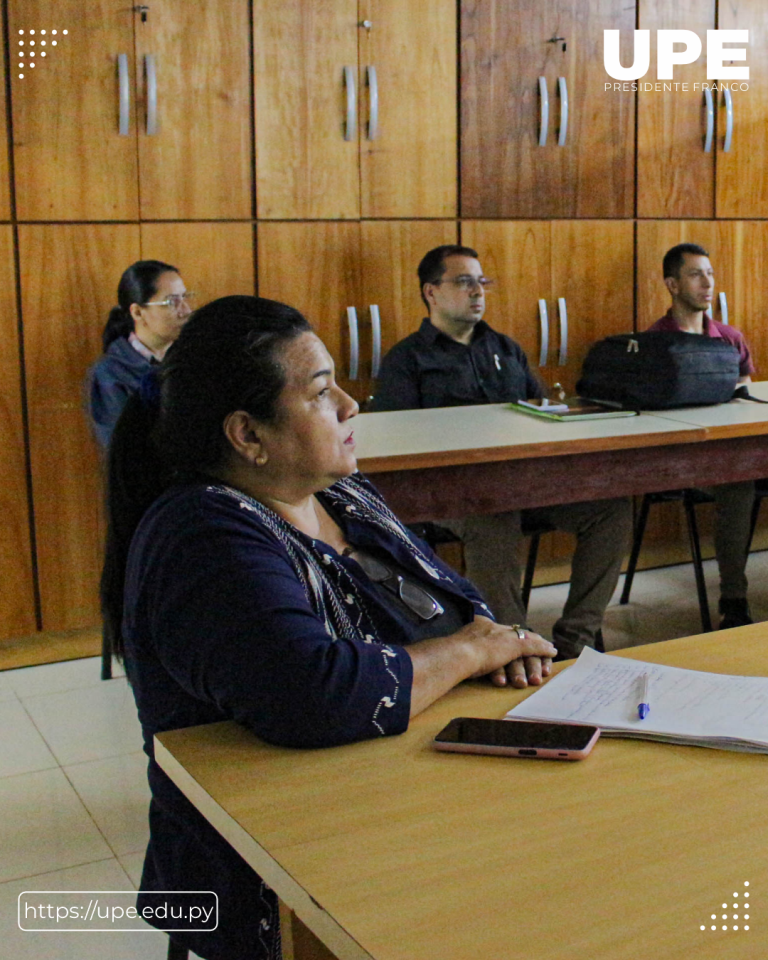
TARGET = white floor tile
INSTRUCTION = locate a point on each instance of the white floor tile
(90, 724)
(116, 794)
(44, 826)
(6, 687)
(133, 864)
(106, 875)
(22, 749)
(55, 677)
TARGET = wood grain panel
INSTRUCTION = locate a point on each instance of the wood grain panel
(742, 248)
(517, 255)
(505, 48)
(742, 173)
(69, 276)
(675, 177)
(315, 267)
(70, 161)
(198, 165)
(215, 259)
(409, 169)
(593, 269)
(304, 166)
(17, 600)
(391, 252)
(5, 193)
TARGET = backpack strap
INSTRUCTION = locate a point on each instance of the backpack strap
(742, 393)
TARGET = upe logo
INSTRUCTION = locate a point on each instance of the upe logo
(668, 56)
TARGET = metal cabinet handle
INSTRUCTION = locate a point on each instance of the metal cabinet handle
(563, 313)
(562, 86)
(351, 121)
(723, 307)
(150, 72)
(124, 95)
(544, 321)
(376, 336)
(354, 343)
(373, 99)
(543, 111)
(728, 120)
(710, 107)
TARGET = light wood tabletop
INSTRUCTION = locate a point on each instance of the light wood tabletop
(447, 462)
(389, 850)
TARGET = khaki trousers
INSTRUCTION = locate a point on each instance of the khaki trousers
(493, 563)
(733, 516)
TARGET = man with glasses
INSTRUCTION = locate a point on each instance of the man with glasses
(456, 359)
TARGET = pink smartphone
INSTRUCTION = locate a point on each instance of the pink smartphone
(518, 738)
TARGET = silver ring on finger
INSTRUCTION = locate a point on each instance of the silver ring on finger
(518, 630)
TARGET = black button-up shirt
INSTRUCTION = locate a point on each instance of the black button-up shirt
(429, 369)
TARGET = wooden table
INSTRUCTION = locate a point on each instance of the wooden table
(389, 850)
(447, 462)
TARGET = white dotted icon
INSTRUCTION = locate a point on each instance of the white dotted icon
(735, 916)
(23, 54)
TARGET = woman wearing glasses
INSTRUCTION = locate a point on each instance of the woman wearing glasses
(260, 578)
(153, 306)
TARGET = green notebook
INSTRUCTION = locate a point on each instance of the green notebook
(574, 408)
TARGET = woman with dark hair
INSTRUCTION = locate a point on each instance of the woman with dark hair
(152, 306)
(252, 574)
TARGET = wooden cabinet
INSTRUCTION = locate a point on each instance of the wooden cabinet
(355, 109)
(197, 164)
(676, 130)
(560, 286)
(71, 162)
(5, 191)
(328, 269)
(127, 117)
(69, 278)
(69, 275)
(17, 596)
(518, 59)
(742, 171)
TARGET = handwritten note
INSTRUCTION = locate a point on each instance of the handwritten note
(687, 706)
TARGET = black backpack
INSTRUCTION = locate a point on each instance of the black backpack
(660, 370)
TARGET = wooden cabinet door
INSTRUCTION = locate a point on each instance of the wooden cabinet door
(517, 256)
(69, 275)
(506, 47)
(675, 171)
(305, 168)
(215, 259)
(593, 280)
(391, 252)
(408, 168)
(742, 172)
(71, 162)
(315, 267)
(17, 595)
(5, 199)
(197, 165)
(742, 248)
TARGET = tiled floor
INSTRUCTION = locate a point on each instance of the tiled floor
(73, 794)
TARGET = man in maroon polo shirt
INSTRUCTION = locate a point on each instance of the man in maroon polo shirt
(690, 280)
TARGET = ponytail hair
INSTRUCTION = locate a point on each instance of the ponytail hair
(137, 285)
(226, 358)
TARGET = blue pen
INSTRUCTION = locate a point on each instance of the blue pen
(644, 707)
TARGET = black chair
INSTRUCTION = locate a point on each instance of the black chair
(106, 654)
(434, 535)
(689, 497)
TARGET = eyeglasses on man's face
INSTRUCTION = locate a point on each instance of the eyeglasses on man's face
(173, 300)
(414, 596)
(467, 284)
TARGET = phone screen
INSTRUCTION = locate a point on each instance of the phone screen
(517, 734)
